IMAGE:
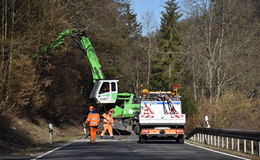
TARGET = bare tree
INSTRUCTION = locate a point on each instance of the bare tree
(149, 26)
(221, 35)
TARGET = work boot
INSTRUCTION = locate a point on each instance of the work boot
(92, 141)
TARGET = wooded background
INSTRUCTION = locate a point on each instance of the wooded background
(213, 52)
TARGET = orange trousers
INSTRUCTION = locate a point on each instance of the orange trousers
(93, 134)
(109, 128)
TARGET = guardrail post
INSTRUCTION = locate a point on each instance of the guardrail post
(227, 142)
(214, 140)
(218, 141)
(222, 141)
(238, 145)
(252, 147)
(208, 139)
(244, 146)
(50, 133)
(232, 143)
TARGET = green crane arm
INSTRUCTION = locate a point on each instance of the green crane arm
(129, 97)
(87, 47)
(96, 70)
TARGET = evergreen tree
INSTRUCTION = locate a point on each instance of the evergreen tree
(128, 18)
(169, 36)
(130, 30)
(166, 64)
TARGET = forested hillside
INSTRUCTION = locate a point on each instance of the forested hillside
(213, 53)
(221, 44)
(56, 85)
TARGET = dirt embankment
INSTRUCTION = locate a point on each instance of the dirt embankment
(22, 136)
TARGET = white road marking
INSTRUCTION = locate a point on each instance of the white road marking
(81, 140)
(40, 156)
(217, 151)
(110, 140)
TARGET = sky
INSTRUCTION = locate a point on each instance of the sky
(154, 6)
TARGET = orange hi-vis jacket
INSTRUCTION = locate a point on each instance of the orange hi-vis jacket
(108, 118)
(93, 119)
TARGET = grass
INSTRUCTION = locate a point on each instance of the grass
(22, 137)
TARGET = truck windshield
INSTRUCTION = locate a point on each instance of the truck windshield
(104, 88)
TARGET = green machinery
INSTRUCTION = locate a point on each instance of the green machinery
(104, 91)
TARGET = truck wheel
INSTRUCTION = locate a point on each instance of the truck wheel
(141, 139)
(180, 140)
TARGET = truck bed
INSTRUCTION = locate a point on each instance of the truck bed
(158, 113)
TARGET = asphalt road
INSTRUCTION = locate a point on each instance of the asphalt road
(130, 149)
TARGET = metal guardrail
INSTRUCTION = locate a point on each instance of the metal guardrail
(233, 139)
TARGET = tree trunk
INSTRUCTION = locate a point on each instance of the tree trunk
(210, 58)
(9, 88)
(137, 78)
(149, 62)
(194, 80)
(4, 39)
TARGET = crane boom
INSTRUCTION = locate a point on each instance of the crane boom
(86, 46)
(93, 59)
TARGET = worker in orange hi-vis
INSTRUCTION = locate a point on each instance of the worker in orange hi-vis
(93, 120)
(107, 123)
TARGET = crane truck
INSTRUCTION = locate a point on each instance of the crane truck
(161, 116)
(104, 91)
